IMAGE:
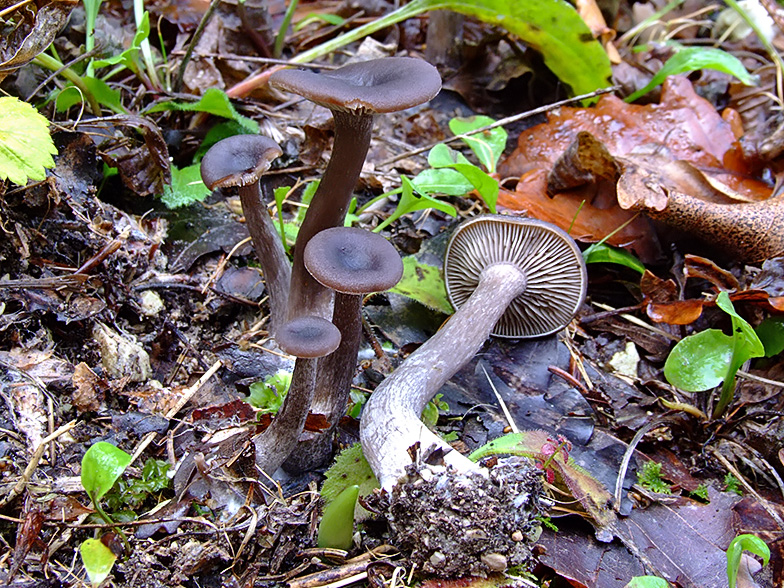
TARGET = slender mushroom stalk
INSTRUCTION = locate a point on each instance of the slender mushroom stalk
(507, 276)
(354, 93)
(236, 164)
(751, 231)
(352, 262)
(307, 338)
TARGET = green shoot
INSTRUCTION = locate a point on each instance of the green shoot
(336, 529)
(737, 546)
(649, 477)
(702, 361)
(280, 38)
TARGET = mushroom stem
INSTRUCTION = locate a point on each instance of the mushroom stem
(390, 421)
(333, 385)
(328, 208)
(751, 231)
(280, 439)
(269, 250)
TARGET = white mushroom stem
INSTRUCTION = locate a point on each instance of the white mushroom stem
(390, 420)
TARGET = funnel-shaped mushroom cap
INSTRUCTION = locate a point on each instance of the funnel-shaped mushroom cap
(353, 260)
(379, 85)
(308, 336)
(550, 260)
(238, 161)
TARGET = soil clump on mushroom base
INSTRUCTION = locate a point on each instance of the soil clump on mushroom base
(457, 523)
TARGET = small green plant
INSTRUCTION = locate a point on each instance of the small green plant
(26, 148)
(647, 582)
(432, 409)
(102, 465)
(451, 173)
(701, 493)
(649, 477)
(268, 394)
(732, 484)
(737, 546)
(688, 59)
(350, 468)
(706, 359)
(336, 529)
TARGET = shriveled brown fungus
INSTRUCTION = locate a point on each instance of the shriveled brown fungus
(354, 93)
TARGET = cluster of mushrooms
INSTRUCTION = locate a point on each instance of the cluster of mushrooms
(507, 276)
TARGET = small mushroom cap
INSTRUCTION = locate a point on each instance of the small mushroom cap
(375, 86)
(238, 161)
(353, 260)
(308, 337)
(549, 258)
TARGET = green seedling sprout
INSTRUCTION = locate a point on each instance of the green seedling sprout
(650, 477)
(102, 465)
(706, 359)
(280, 38)
(737, 546)
(336, 529)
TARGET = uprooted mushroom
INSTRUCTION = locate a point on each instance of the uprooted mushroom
(509, 277)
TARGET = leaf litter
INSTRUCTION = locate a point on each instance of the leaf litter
(106, 316)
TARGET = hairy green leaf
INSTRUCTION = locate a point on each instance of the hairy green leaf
(214, 101)
(26, 148)
(186, 187)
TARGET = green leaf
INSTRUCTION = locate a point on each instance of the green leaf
(410, 202)
(746, 342)
(268, 394)
(336, 529)
(737, 546)
(424, 284)
(692, 59)
(647, 582)
(442, 156)
(98, 560)
(102, 464)
(350, 468)
(602, 253)
(214, 101)
(771, 333)
(487, 145)
(186, 187)
(26, 148)
(699, 362)
(129, 57)
(552, 27)
(332, 19)
(442, 181)
(104, 94)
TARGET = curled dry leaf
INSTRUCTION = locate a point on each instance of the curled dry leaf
(28, 40)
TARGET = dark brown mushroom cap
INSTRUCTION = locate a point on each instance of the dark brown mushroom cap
(353, 260)
(375, 86)
(308, 336)
(238, 161)
(549, 258)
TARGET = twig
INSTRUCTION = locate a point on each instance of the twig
(21, 484)
(627, 457)
(503, 122)
(507, 414)
(184, 399)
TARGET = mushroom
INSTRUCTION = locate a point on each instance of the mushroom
(236, 164)
(352, 262)
(510, 277)
(750, 231)
(354, 93)
(307, 338)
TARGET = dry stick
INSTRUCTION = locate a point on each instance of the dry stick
(184, 399)
(749, 488)
(504, 408)
(627, 456)
(502, 122)
(21, 484)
